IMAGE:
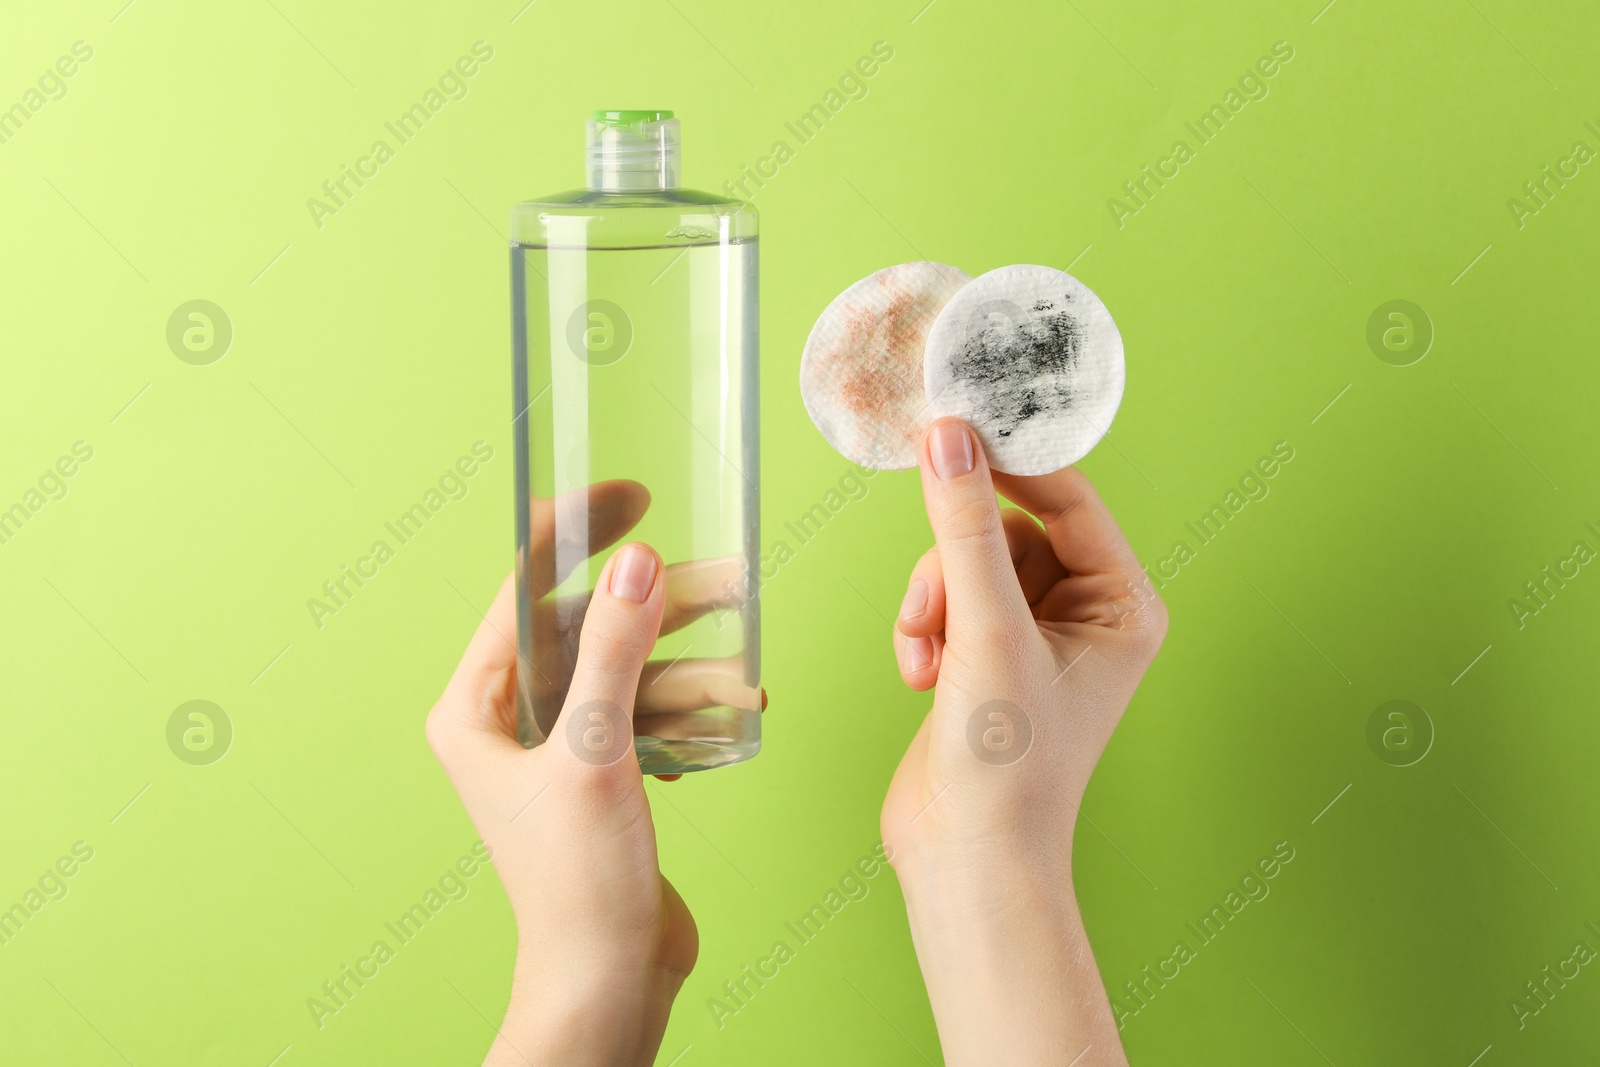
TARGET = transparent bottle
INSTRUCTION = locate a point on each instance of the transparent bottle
(634, 334)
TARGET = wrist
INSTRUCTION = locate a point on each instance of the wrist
(581, 1020)
(974, 876)
(1010, 974)
(978, 911)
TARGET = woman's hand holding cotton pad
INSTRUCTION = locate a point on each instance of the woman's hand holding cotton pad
(1027, 355)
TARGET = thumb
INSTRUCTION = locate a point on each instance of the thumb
(982, 595)
(619, 630)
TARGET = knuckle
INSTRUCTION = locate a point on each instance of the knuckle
(1156, 626)
(1146, 622)
(1076, 491)
(595, 787)
(439, 730)
(970, 515)
(1136, 608)
(612, 652)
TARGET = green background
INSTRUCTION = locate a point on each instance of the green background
(370, 353)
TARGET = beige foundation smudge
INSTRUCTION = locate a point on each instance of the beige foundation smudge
(861, 373)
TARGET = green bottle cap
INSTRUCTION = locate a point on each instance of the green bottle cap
(632, 151)
(630, 118)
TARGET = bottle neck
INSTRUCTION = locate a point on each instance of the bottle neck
(631, 152)
(606, 175)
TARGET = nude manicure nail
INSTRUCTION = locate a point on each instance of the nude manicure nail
(950, 445)
(633, 573)
(916, 601)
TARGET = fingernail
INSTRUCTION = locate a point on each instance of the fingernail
(916, 601)
(951, 448)
(633, 573)
(919, 653)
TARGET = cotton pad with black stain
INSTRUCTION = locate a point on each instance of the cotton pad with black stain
(1031, 359)
(861, 374)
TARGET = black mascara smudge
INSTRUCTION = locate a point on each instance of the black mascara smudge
(1022, 365)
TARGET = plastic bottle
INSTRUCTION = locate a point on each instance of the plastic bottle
(634, 332)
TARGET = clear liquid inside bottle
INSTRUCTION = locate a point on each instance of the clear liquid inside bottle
(635, 394)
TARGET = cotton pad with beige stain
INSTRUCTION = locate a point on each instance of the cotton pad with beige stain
(861, 374)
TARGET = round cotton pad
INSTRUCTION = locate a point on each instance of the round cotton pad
(861, 373)
(1030, 358)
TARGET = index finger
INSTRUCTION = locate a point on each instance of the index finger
(566, 530)
(1082, 531)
